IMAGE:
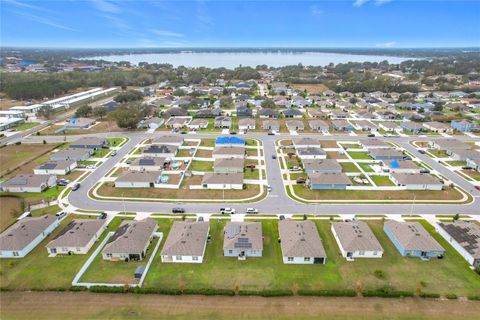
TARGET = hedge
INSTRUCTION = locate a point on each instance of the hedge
(266, 293)
(387, 293)
(210, 292)
(451, 296)
(474, 297)
(429, 295)
(328, 293)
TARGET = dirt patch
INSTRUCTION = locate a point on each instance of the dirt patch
(11, 209)
(311, 88)
(329, 144)
(83, 305)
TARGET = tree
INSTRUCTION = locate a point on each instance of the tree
(268, 104)
(83, 111)
(100, 112)
(45, 112)
(128, 115)
(128, 96)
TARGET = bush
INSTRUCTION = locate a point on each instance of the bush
(172, 292)
(210, 292)
(379, 274)
(266, 293)
(451, 296)
(78, 288)
(474, 297)
(387, 293)
(429, 295)
(107, 289)
(328, 293)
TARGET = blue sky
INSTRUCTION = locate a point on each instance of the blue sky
(155, 23)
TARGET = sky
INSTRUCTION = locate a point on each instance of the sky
(156, 23)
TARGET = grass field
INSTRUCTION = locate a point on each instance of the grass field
(26, 126)
(359, 155)
(13, 156)
(382, 180)
(201, 166)
(86, 305)
(251, 174)
(439, 153)
(305, 193)
(349, 167)
(12, 208)
(457, 163)
(311, 88)
(365, 166)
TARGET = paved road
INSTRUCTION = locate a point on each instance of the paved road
(277, 201)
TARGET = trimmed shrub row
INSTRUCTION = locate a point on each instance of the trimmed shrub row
(387, 293)
(328, 293)
(266, 293)
(451, 296)
(429, 295)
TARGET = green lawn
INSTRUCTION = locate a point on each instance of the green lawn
(439, 153)
(457, 163)
(349, 167)
(207, 142)
(448, 275)
(252, 152)
(113, 142)
(26, 126)
(101, 153)
(359, 155)
(251, 174)
(38, 271)
(184, 153)
(50, 193)
(87, 162)
(201, 166)
(350, 145)
(365, 166)
(382, 181)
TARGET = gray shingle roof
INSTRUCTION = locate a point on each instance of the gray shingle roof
(300, 239)
(412, 236)
(77, 233)
(249, 232)
(356, 236)
(466, 234)
(186, 238)
(131, 237)
(222, 178)
(23, 232)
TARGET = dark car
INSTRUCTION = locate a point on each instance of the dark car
(105, 147)
(178, 210)
(274, 156)
(183, 132)
(270, 133)
(301, 180)
(233, 132)
(467, 168)
(76, 186)
(424, 171)
(371, 135)
(421, 151)
(102, 216)
(477, 187)
(250, 166)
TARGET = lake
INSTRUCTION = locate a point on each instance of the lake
(234, 59)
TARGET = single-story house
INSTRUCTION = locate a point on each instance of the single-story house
(296, 125)
(151, 123)
(374, 144)
(436, 126)
(177, 122)
(268, 113)
(316, 113)
(222, 181)
(168, 140)
(228, 165)
(464, 237)
(138, 179)
(464, 125)
(79, 123)
(243, 111)
(412, 240)
(243, 239)
(342, 125)
(413, 127)
(311, 153)
(74, 154)
(388, 126)
(131, 240)
(89, 143)
(327, 181)
(356, 240)
(401, 166)
(224, 122)
(474, 163)
(271, 125)
(417, 181)
(321, 166)
(148, 164)
(160, 150)
(306, 143)
(300, 242)
(186, 242)
(198, 124)
(29, 183)
(292, 113)
(62, 167)
(229, 152)
(338, 114)
(246, 124)
(208, 113)
(365, 125)
(77, 237)
(386, 154)
(464, 154)
(318, 125)
(448, 144)
(25, 234)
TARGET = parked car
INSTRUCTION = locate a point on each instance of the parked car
(61, 214)
(301, 180)
(477, 187)
(128, 161)
(421, 151)
(63, 182)
(270, 133)
(371, 135)
(250, 166)
(227, 210)
(269, 188)
(233, 132)
(183, 132)
(105, 147)
(274, 156)
(467, 168)
(424, 171)
(114, 153)
(91, 166)
(81, 166)
(295, 168)
(102, 216)
(251, 210)
(76, 186)
(178, 210)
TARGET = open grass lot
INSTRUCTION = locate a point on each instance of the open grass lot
(114, 142)
(204, 153)
(108, 190)
(457, 163)
(439, 153)
(36, 197)
(26, 126)
(12, 208)
(184, 153)
(86, 305)
(359, 155)
(311, 88)
(382, 180)
(201, 166)
(99, 127)
(251, 174)
(329, 144)
(365, 166)
(207, 142)
(38, 271)
(305, 193)
(448, 275)
(349, 167)
(14, 156)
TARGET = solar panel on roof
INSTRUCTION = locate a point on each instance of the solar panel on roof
(146, 162)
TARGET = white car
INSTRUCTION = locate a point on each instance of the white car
(227, 210)
(251, 210)
(269, 188)
(91, 166)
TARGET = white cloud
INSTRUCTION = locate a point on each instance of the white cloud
(43, 20)
(106, 6)
(166, 33)
(389, 44)
(380, 2)
(359, 3)
(315, 10)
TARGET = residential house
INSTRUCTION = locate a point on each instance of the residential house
(375, 144)
(177, 123)
(321, 166)
(243, 239)
(386, 154)
(273, 125)
(25, 234)
(268, 113)
(77, 237)
(388, 126)
(160, 150)
(174, 112)
(413, 127)
(29, 183)
(228, 152)
(292, 113)
(464, 125)
(130, 242)
(438, 127)
(89, 143)
(300, 242)
(244, 111)
(318, 125)
(401, 166)
(365, 125)
(356, 240)
(246, 124)
(417, 181)
(223, 122)
(228, 165)
(311, 153)
(465, 154)
(71, 154)
(148, 164)
(342, 125)
(56, 167)
(306, 143)
(412, 240)
(222, 181)
(208, 113)
(138, 179)
(198, 124)
(295, 125)
(186, 242)
(316, 113)
(464, 237)
(168, 140)
(328, 181)
(151, 123)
